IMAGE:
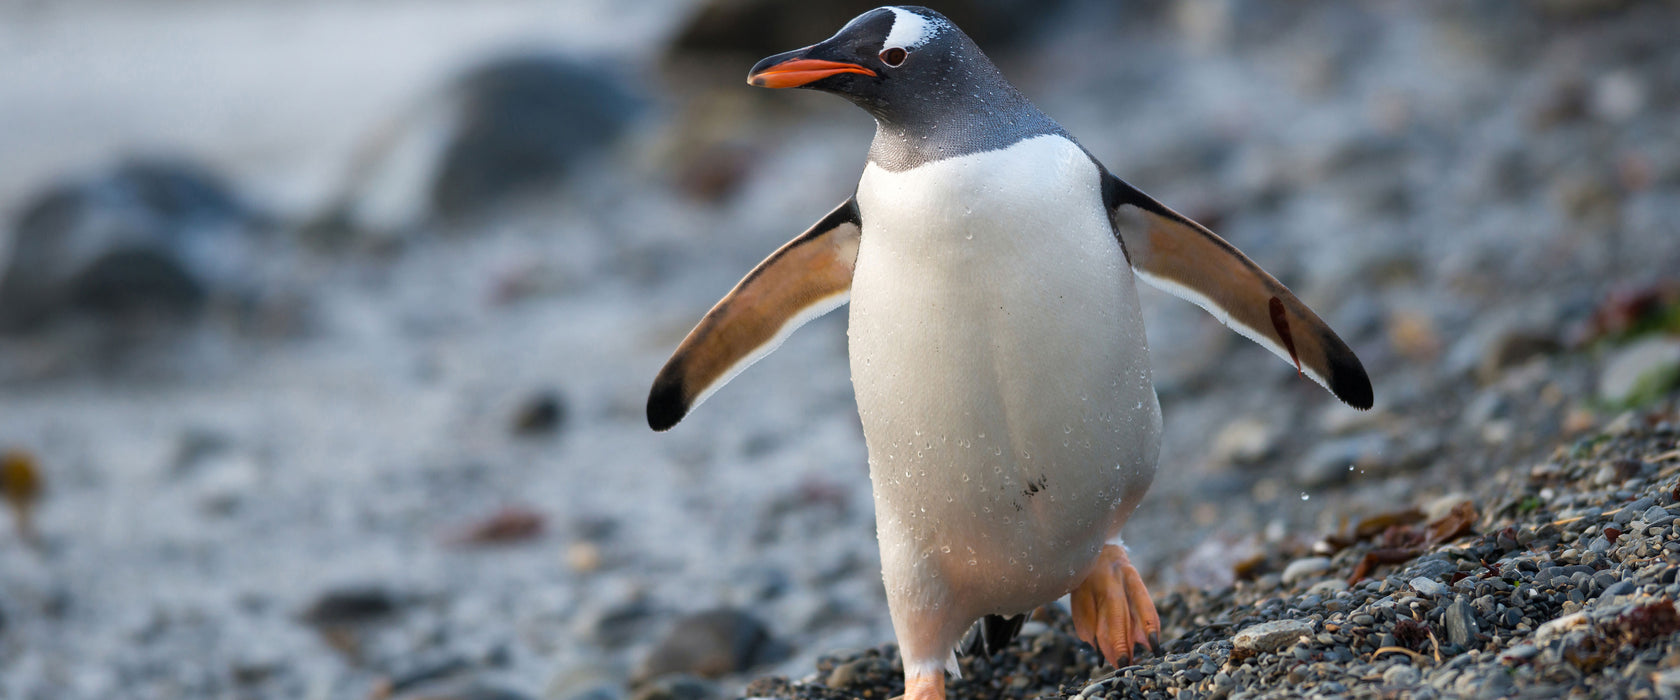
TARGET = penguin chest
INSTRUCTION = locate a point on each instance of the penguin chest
(1001, 370)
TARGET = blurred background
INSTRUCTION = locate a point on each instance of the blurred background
(326, 327)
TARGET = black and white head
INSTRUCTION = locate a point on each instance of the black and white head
(888, 61)
(932, 91)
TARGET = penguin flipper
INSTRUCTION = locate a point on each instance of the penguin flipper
(1184, 258)
(809, 276)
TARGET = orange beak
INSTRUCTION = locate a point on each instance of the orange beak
(801, 71)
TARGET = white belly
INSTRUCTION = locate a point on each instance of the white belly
(1002, 376)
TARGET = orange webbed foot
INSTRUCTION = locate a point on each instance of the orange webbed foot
(1112, 610)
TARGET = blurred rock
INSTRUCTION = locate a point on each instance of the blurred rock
(711, 644)
(1592, 201)
(1336, 460)
(195, 445)
(225, 482)
(509, 127)
(715, 171)
(1413, 334)
(595, 527)
(540, 414)
(619, 624)
(760, 583)
(524, 121)
(351, 606)
(583, 557)
(1617, 96)
(149, 238)
(1512, 348)
(1305, 568)
(463, 690)
(1243, 441)
(591, 677)
(677, 687)
(428, 677)
(1640, 372)
(1564, 102)
(759, 28)
(1487, 406)
(509, 525)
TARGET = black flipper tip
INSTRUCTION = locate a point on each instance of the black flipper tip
(1348, 380)
(666, 405)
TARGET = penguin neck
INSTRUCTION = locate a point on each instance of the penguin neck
(948, 122)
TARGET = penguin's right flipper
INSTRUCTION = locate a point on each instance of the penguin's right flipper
(808, 277)
(1184, 258)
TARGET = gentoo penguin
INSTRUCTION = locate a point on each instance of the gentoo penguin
(997, 350)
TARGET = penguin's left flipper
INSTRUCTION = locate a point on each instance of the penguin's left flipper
(808, 277)
(1180, 256)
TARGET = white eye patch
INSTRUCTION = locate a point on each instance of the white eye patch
(910, 30)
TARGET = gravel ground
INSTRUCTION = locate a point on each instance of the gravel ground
(1557, 580)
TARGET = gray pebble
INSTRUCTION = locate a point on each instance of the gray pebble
(1427, 586)
(1268, 637)
(1640, 506)
(1622, 587)
(1461, 623)
(1512, 617)
(1400, 676)
(1305, 568)
(1329, 587)
(1432, 567)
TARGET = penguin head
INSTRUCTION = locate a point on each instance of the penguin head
(886, 60)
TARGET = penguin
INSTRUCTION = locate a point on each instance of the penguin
(997, 349)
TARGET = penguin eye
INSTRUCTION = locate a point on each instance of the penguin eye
(894, 57)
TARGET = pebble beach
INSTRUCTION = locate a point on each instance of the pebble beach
(323, 371)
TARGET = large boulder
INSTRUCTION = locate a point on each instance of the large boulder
(505, 128)
(149, 237)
